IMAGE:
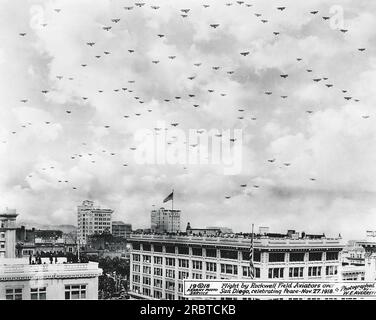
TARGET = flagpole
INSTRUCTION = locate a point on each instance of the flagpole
(252, 266)
(172, 199)
(172, 211)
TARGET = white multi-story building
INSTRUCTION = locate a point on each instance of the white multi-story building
(20, 279)
(159, 263)
(353, 262)
(369, 245)
(92, 220)
(165, 220)
(353, 255)
(8, 233)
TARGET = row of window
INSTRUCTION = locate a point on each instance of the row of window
(158, 284)
(72, 292)
(231, 254)
(297, 272)
(224, 254)
(183, 263)
(299, 256)
(157, 293)
(198, 265)
(294, 272)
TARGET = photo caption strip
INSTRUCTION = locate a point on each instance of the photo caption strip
(279, 289)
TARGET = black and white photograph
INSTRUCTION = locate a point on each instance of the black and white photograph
(196, 150)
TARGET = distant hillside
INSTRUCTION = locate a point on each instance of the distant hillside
(65, 228)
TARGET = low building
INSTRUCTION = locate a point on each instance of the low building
(121, 229)
(20, 280)
(160, 263)
(106, 242)
(208, 231)
(31, 242)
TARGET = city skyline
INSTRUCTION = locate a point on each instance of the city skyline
(80, 78)
(260, 229)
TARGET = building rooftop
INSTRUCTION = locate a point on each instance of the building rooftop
(240, 240)
(20, 269)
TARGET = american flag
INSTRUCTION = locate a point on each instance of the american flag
(251, 252)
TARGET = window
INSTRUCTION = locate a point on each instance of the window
(136, 257)
(157, 248)
(170, 273)
(332, 255)
(146, 259)
(315, 256)
(136, 278)
(275, 273)
(136, 246)
(183, 275)
(146, 247)
(331, 270)
(196, 275)
(146, 281)
(136, 268)
(158, 260)
(229, 254)
(211, 266)
(13, 294)
(256, 255)
(180, 287)
(183, 250)
(158, 283)
(211, 253)
(170, 261)
(146, 291)
(183, 263)
(229, 268)
(314, 271)
(197, 265)
(136, 288)
(170, 285)
(157, 294)
(296, 256)
(276, 257)
(246, 272)
(296, 272)
(170, 296)
(74, 292)
(158, 272)
(146, 269)
(170, 249)
(197, 252)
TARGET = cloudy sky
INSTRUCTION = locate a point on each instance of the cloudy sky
(323, 178)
